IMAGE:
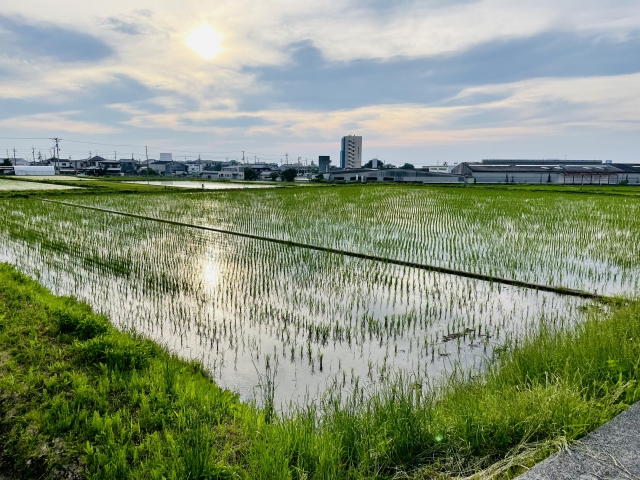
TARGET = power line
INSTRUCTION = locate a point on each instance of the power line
(161, 149)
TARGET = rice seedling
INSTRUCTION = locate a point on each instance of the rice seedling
(232, 303)
(583, 241)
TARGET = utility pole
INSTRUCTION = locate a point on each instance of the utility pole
(14, 156)
(57, 147)
(242, 156)
(287, 157)
(33, 154)
(146, 152)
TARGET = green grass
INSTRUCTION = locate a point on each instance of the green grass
(79, 398)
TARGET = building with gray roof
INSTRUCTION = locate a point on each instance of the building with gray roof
(569, 172)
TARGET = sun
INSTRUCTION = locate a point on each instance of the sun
(205, 41)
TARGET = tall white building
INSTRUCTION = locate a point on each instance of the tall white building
(351, 152)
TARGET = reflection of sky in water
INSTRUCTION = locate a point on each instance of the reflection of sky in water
(231, 301)
(17, 185)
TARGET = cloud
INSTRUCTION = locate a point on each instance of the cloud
(121, 26)
(312, 81)
(545, 106)
(28, 40)
(57, 122)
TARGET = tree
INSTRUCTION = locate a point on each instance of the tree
(289, 174)
(250, 174)
(148, 171)
(274, 176)
(6, 162)
(408, 165)
(369, 164)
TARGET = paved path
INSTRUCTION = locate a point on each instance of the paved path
(612, 452)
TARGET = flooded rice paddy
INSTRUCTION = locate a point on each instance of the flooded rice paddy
(19, 185)
(203, 185)
(325, 320)
(585, 242)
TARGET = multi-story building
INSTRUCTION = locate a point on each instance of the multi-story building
(324, 161)
(351, 152)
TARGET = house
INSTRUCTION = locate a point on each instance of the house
(194, 168)
(129, 166)
(262, 167)
(168, 167)
(266, 175)
(88, 166)
(62, 166)
(111, 167)
(232, 172)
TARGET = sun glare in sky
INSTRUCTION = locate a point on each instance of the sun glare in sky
(205, 41)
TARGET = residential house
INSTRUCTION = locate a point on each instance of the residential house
(166, 167)
(233, 172)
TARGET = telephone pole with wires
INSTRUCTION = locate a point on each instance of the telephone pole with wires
(57, 151)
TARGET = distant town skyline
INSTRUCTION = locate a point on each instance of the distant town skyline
(421, 82)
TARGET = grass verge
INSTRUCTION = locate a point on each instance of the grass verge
(79, 399)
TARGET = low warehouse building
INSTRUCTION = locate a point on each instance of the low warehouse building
(392, 175)
(629, 173)
(572, 172)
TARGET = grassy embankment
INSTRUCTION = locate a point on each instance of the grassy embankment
(79, 397)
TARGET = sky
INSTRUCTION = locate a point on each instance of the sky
(424, 82)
